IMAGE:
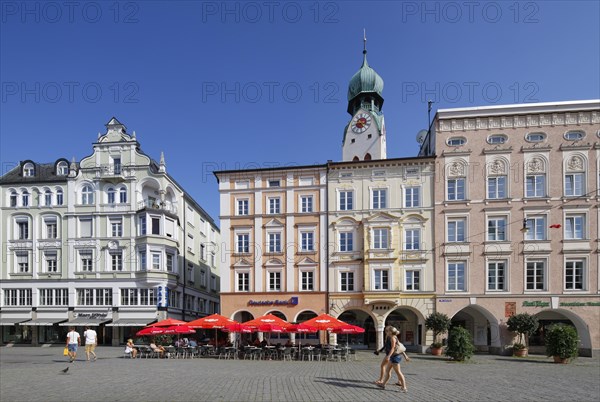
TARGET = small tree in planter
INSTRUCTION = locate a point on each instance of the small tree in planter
(524, 325)
(562, 343)
(439, 324)
(460, 344)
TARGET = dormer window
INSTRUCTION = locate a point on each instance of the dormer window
(456, 141)
(62, 169)
(574, 135)
(497, 139)
(28, 170)
(535, 137)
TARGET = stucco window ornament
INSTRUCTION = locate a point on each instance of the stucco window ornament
(575, 164)
(497, 167)
(457, 169)
(536, 165)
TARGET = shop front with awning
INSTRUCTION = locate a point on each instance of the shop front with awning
(85, 321)
(11, 329)
(95, 320)
(45, 328)
(127, 324)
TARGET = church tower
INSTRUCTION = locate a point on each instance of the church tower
(364, 135)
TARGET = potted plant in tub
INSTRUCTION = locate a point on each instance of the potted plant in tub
(524, 325)
(439, 324)
(562, 343)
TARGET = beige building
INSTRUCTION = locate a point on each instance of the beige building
(112, 241)
(516, 218)
(381, 268)
(273, 225)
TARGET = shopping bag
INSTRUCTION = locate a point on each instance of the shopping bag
(66, 351)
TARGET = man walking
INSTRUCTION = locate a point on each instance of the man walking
(91, 340)
(73, 342)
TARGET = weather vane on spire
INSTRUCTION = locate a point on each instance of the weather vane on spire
(364, 41)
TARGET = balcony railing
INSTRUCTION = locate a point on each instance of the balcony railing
(156, 204)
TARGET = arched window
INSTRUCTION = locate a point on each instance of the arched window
(47, 198)
(87, 195)
(575, 176)
(355, 159)
(25, 198)
(62, 169)
(111, 195)
(13, 198)
(535, 178)
(368, 157)
(59, 197)
(28, 170)
(497, 180)
(456, 180)
(123, 195)
(456, 141)
(497, 139)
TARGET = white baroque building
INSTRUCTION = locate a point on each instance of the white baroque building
(112, 241)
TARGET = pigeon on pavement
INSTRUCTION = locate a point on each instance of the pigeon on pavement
(65, 370)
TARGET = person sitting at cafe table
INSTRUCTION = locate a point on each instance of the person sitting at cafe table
(158, 349)
(256, 342)
(264, 343)
(129, 349)
(192, 343)
(289, 343)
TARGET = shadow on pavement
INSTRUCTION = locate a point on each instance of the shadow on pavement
(346, 383)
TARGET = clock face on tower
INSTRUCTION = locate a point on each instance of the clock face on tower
(361, 122)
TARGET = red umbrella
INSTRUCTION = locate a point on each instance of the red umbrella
(150, 331)
(301, 328)
(325, 322)
(168, 323)
(266, 322)
(179, 329)
(215, 321)
(238, 327)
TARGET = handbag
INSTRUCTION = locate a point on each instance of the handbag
(66, 351)
(399, 348)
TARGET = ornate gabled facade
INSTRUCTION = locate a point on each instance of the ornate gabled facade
(381, 267)
(112, 241)
(516, 218)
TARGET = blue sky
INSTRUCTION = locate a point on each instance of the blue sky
(232, 85)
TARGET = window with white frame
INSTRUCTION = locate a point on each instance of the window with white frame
(535, 185)
(148, 297)
(574, 135)
(413, 279)
(575, 274)
(203, 280)
(307, 241)
(28, 170)
(456, 276)
(25, 198)
(274, 183)
(306, 203)
(575, 226)
(51, 260)
(381, 279)
(51, 227)
(535, 275)
(53, 297)
(346, 241)
(274, 205)
(123, 195)
(86, 260)
(13, 198)
(412, 239)
(496, 275)
(22, 260)
(94, 297)
(496, 228)
(412, 197)
(379, 198)
(346, 200)
(22, 228)
(143, 260)
(59, 197)
(87, 195)
(116, 260)
(155, 260)
(243, 243)
(575, 176)
(170, 262)
(110, 193)
(381, 238)
(142, 225)
(129, 297)
(47, 198)
(307, 280)
(243, 207)
(17, 297)
(497, 180)
(346, 281)
(116, 227)
(62, 169)
(274, 245)
(274, 278)
(155, 221)
(456, 189)
(536, 228)
(243, 281)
